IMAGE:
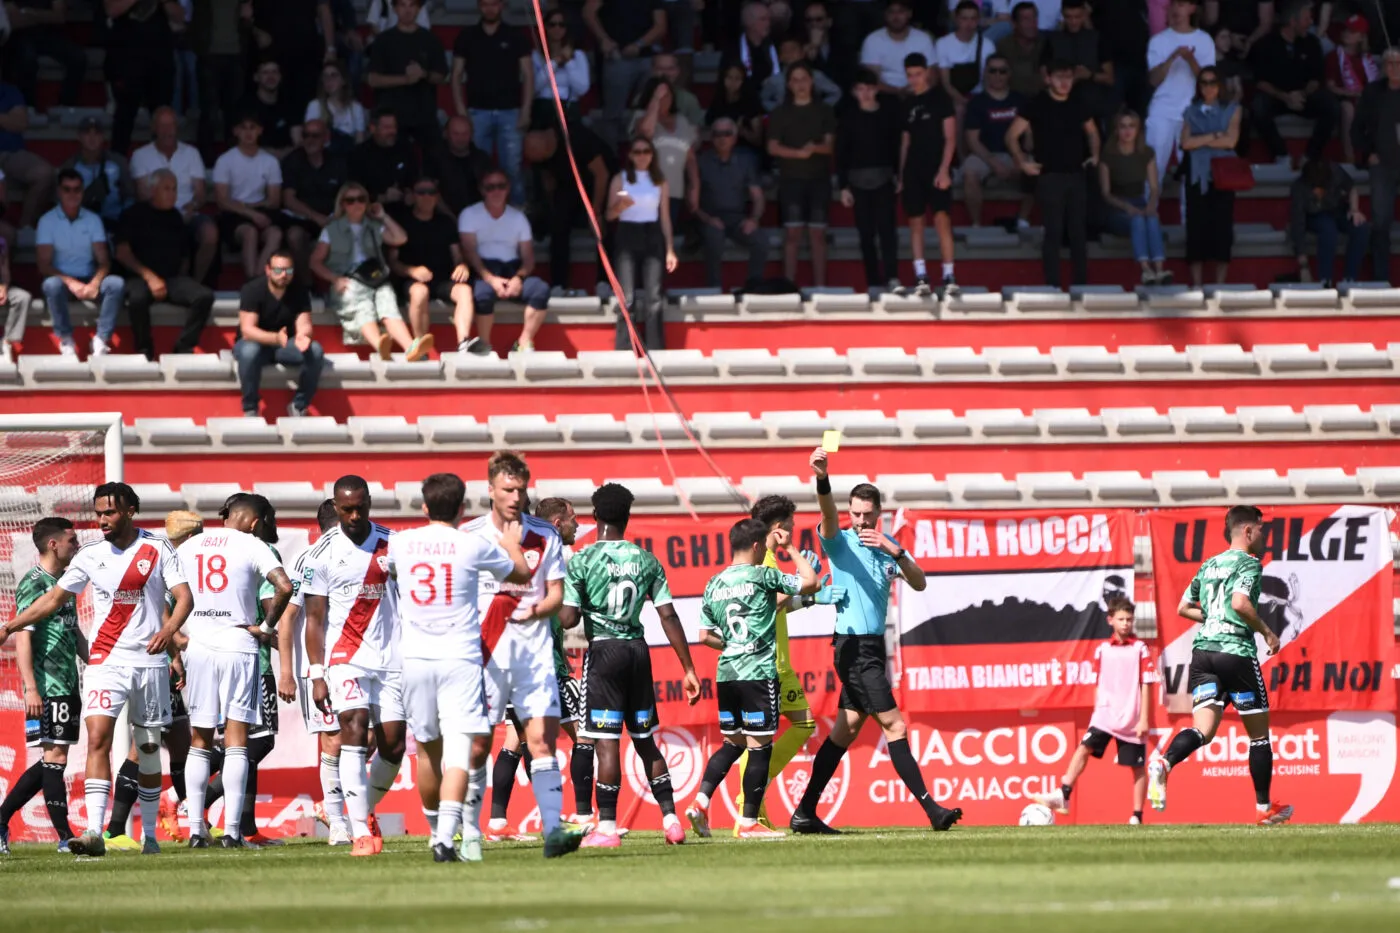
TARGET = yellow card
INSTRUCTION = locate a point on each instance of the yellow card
(831, 441)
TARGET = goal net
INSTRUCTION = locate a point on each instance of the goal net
(50, 465)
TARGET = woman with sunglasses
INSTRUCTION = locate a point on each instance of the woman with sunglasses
(339, 109)
(1128, 180)
(639, 200)
(570, 74)
(1209, 131)
(349, 257)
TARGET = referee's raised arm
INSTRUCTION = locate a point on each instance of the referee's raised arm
(831, 522)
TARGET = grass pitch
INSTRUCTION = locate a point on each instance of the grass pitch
(1306, 878)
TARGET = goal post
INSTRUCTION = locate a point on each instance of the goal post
(109, 423)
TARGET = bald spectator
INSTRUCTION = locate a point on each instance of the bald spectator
(668, 66)
(165, 151)
(458, 166)
(729, 204)
(498, 245)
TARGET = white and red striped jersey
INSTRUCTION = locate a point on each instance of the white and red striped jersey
(128, 596)
(362, 616)
(544, 552)
(301, 575)
(1122, 668)
(225, 569)
(439, 570)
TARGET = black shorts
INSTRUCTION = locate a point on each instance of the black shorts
(860, 664)
(229, 224)
(748, 706)
(1130, 754)
(58, 722)
(617, 690)
(920, 197)
(267, 707)
(1216, 679)
(438, 290)
(570, 700)
(805, 202)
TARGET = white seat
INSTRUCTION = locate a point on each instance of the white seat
(1185, 485)
(884, 361)
(1388, 416)
(344, 367)
(1086, 359)
(1325, 483)
(791, 486)
(124, 368)
(525, 429)
(64, 499)
(909, 488)
(18, 502)
(594, 429)
(983, 487)
(172, 432)
(864, 423)
(643, 426)
(729, 426)
(1257, 484)
(1249, 299)
(208, 498)
(1003, 422)
(545, 365)
(1273, 419)
(609, 364)
(750, 362)
(790, 303)
(156, 498)
(232, 432)
(1289, 357)
(843, 483)
(291, 497)
(399, 370)
(1111, 485)
(34, 368)
(795, 425)
(468, 367)
(577, 491)
(195, 367)
(1292, 297)
(1069, 422)
(1137, 421)
(955, 361)
(649, 492)
(674, 364)
(1155, 358)
(453, 429)
(384, 498)
(410, 495)
(1021, 361)
(478, 494)
(815, 361)
(383, 429)
(578, 306)
(1222, 358)
(1334, 418)
(711, 490)
(1348, 356)
(318, 430)
(1384, 482)
(1053, 487)
(1205, 419)
(933, 422)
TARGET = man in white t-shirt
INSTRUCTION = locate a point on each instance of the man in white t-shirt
(248, 190)
(500, 248)
(962, 47)
(884, 50)
(222, 687)
(1175, 56)
(131, 572)
(166, 151)
(438, 570)
(353, 653)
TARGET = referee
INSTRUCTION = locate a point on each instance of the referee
(864, 561)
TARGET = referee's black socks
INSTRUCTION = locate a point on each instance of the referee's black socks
(823, 767)
(908, 770)
(1186, 742)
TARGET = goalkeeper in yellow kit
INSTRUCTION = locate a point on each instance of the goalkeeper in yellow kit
(777, 513)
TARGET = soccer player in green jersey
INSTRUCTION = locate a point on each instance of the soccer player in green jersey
(739, 617)
(1224, 598)
(48, 668)
(605, 587)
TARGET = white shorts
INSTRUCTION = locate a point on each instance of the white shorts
(519, 676)
(317, 722)
(221, 685)
(354, 687)
(143, 691)
(444, 695)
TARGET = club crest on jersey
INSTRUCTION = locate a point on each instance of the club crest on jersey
(383, 563)
(143, 566)
(532, 560)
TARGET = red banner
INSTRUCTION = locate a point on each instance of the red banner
(1326, 591)
(1013, 608)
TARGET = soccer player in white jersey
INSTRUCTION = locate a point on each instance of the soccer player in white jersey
(226, 566)
(352, 650)
(519, 649)
(131, 571)
(437, 569)
(294, 682)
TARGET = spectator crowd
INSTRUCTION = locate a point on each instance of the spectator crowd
(321, 161)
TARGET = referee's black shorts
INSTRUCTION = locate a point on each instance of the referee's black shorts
(860, 664)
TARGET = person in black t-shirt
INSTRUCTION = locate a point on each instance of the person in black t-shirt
(384, 163)
(429, 268)
(1061, 155)
(626, 32)
(406, 64)
(274, 326)
(927, 143)
(281, 120)
(140, 50)
(1289, 72)
(458, 165)
(493, 81)
(311, 177)
(154, 246)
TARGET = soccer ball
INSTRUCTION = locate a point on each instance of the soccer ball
(1037, 815)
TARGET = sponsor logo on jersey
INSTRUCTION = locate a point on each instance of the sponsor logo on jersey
(127, 597)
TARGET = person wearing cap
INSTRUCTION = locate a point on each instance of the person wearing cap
(106, 174)
(1350, 67)
(248, 190)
